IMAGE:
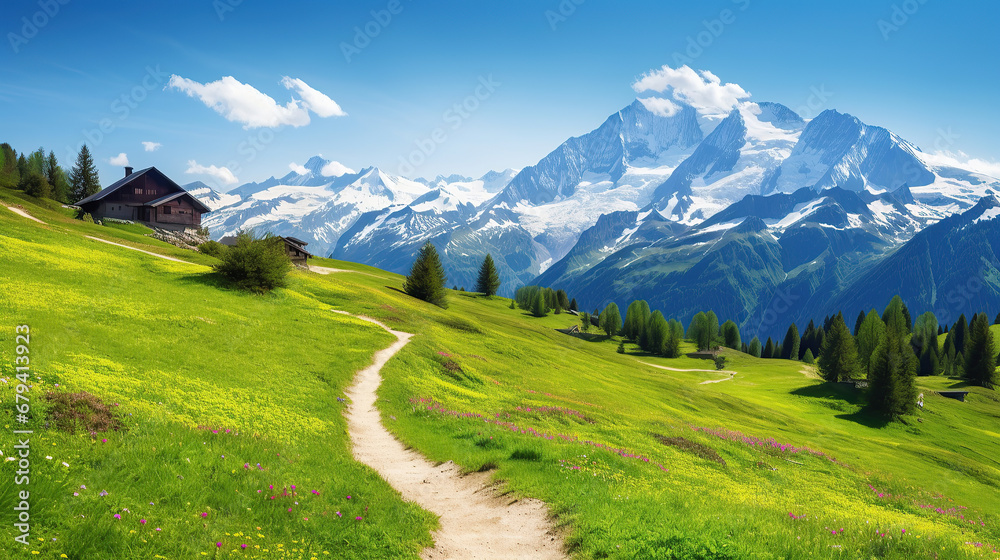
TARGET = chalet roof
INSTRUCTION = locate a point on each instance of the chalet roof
(174, 196)
(297, 244)
(178, 190)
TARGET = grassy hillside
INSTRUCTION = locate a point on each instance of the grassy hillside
(634, 460)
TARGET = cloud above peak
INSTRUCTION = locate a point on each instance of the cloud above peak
(335, 169)
(121, 160)
(245, 104)
(221, 174)
(701, 89)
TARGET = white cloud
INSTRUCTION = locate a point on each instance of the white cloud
(702, 90)
(300, 169)
(318, 102)
(151, 146)
(222, 174)
(243, 103)
(963, 161)
(660, 106)
(121, 160)
(335, 169)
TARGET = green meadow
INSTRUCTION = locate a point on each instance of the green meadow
(229, 400)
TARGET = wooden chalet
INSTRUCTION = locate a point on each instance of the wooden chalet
(296, 249)
(147, 196)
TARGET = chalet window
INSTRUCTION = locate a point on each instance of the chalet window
(166, 209)
(138, 190)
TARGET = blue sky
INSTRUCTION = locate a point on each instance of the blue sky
(554, 69)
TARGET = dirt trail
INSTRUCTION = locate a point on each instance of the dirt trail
(20, 212)
(134, 249)
(695, 370)
(475, 522)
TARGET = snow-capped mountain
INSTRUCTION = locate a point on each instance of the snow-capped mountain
(312, 206)
(802, 246)
(209, 196)
(642, 192)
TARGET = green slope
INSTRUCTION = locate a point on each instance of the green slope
(559, 418)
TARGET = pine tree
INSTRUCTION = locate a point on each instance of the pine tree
(961, 330)
(585, 323)
(731, 335)
(611, 320)
(896, 317)
(573, 306)
(857, 324)
(768, 352)
(997, 320)
(808, 357)
(810, 340)
(891, 388)
(427, 279)
(870, 335)
(512, 306)
(790, 347)
(980, 366)
(56, 178)
(958, 365)
(83, 178)
(755, 350)
(23, 170)
(489, 281)
(838, 361)
(925, 343)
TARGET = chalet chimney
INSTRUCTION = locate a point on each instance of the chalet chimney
(128, 171)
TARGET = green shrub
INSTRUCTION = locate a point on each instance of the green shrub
(86, 217)
(720, 362)
(213, 249)
(255, 264)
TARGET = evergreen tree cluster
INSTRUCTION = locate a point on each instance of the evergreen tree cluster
(39, 174)
(540, 301)
(651, 331)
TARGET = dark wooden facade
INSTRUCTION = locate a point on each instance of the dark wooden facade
(296, 249)
(147, 196)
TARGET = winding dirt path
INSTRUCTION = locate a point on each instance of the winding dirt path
(164, 257)
(475, 522)
(731, 373)
(21, 212)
